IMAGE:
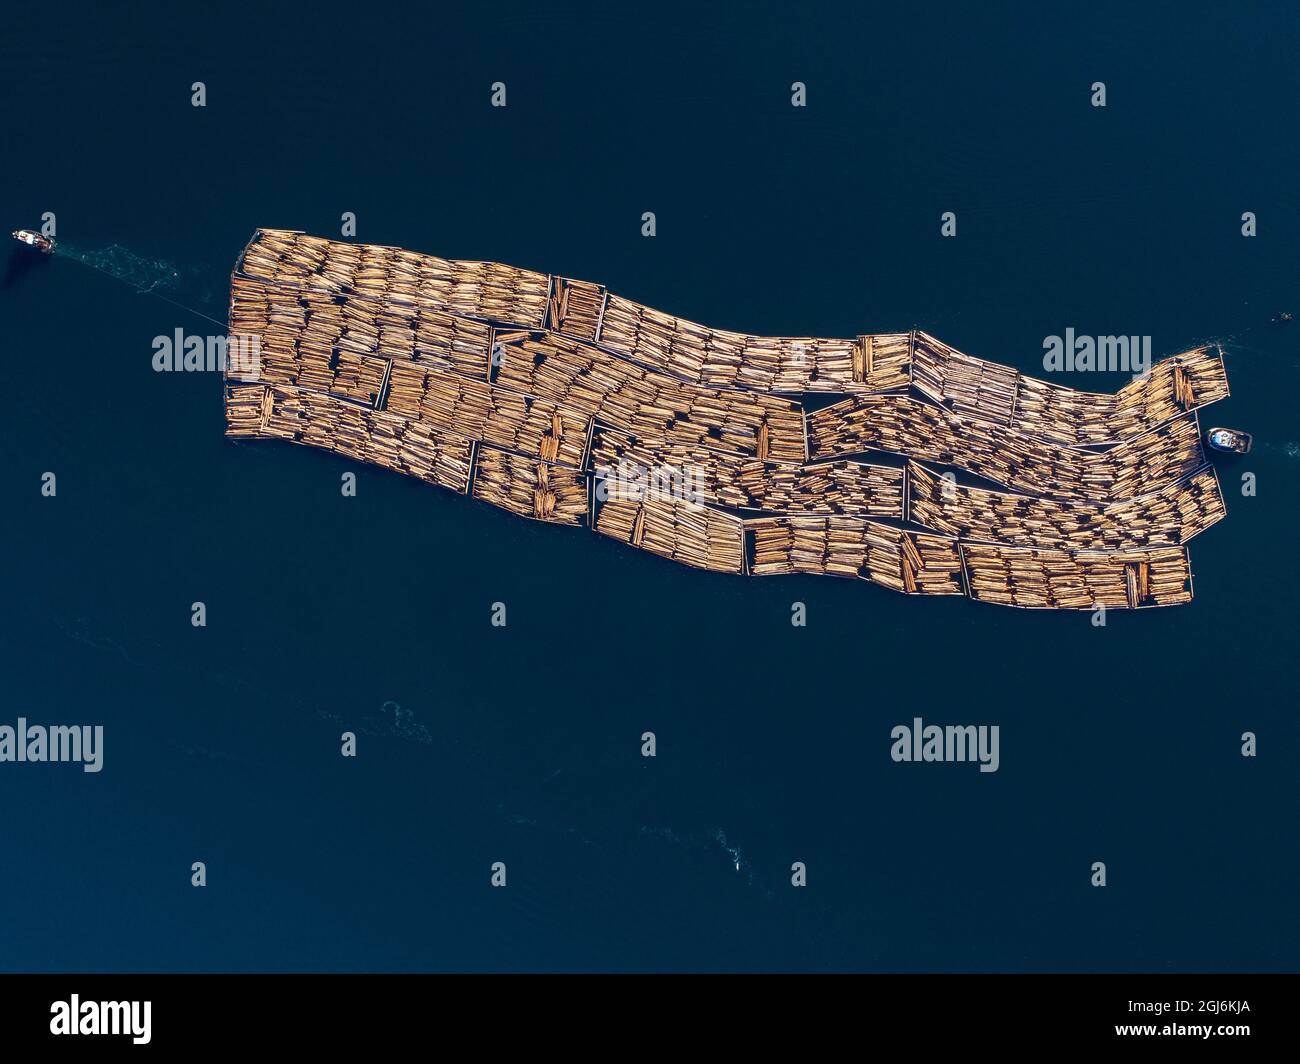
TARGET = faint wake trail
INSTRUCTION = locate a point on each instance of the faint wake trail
(148, 276)
(714, 839)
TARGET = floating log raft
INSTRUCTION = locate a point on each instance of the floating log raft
(486, 290)
(884, 362)
(846, 546)
(720, 359)
(1044, 579)
(918, 564)
(1167, 517)
(540, 490)
(987, 391)
(967, 386)
(698, 536)
(315, 420)
(555, 400)
(906, 426)
(484, 412)
(650, 405)
(748, 484)
(360, 326)
(576, 308)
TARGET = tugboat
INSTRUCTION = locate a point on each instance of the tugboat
(32, 239)
(1230, 441)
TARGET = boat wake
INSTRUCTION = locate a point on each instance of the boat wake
(520, 821)
(146, 274)
(393, 721)
(713, 840)
(1288, 449)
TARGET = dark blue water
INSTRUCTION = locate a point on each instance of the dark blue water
(1118, 744)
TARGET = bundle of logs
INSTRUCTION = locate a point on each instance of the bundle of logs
(539, 490)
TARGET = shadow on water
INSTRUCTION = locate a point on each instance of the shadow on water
(22, 261)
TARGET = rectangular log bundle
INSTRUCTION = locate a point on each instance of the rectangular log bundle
(967, 386)
(741, 483)
(526, 390)
(575, 308)
(360, 326)
(315, 420)
(992, 392)
(906, 426)
(486, 290)
(1084, 580)
(1167, 517)
(909, 562)
(720, 359)
(539, 490)
(650, 405)
(694, 535)
(481, 411)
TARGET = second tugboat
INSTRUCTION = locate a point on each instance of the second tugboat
(33, 239)
(1230, 441)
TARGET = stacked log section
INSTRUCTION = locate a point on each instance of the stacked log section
(539, 490)
(1167, 517)
(906, 426)
(694, 535)
(855, 488)
(575, 308)
(909, 562)
(988, 391)
(289, 319)
(721, 359)
(1046, 579)
(330, 424)
(650, 405)
(967, 386)
(486, 290)
(480, 411)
